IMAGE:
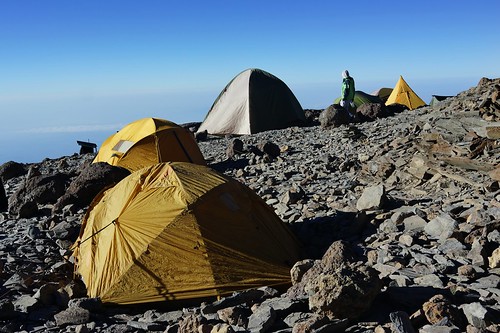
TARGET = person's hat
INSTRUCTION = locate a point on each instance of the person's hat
(345, 74)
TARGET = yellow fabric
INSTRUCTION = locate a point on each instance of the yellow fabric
(403, 94)
(153, 141)
(181, 231)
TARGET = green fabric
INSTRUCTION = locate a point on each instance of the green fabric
(348, 88)
(361, 98)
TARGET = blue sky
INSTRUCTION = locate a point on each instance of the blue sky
(81, 70)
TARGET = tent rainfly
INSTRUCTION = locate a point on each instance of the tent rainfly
(403, 94)
(436, 99)
(253, 101)
(179, 230)
(382, 93)
(360, 98)
(148, 141)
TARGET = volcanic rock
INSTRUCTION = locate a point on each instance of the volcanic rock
(92, 179)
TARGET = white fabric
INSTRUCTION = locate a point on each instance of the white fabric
(231, 115)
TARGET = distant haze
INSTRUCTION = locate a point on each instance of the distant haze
(93, 120)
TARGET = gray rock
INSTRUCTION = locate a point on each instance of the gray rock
(93, 178)
(41, 189)
(494, 236)
(190, 323)
(477, 253)
(72, 316)
(475, 314)
(441, 227)
(236, 315)
(283, 306)
(333, 116)
(17, 281)
(429, 280)
(489, 281)
(247, 296)
(148, 327)
(373, 197)
(293, 195)
(64, 230)
(372, 110)
(170, 317)
(234, 148)
(310, 324)
(299, 268)
(296, 317)
(47, 294)
(91, 304)
(452, 248)
(401, 322)
(270, 149)
(262, 319)
(414, 222)
(12, 169)
(439, 329)
(345, 292)
(26, 303)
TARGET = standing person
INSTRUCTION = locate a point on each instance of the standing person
(348, 90)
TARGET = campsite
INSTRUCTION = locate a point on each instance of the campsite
(282, 219)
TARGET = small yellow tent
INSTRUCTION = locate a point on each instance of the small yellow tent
(148, 141)
(403, 94)
(179, 231)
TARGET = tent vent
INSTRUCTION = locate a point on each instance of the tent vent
(123, 146)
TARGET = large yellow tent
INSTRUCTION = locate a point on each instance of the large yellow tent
(148, 141)
(180, 231)
(403, 94)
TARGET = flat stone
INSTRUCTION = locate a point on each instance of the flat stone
(429, 280)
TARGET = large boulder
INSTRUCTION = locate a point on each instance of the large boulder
(269, 148)
(12, 169)
(42, 189)
(346, 292)
(334, 116)
(92, 179)
(339, 285)
(370, 111)
(234, 148)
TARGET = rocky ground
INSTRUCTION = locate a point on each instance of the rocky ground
(398, 212)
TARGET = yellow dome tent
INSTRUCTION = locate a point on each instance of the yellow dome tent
(403, 94)
(148, 141)
(180, 231)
